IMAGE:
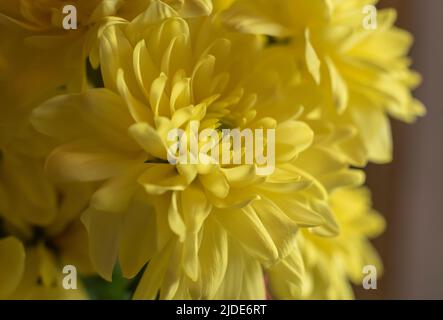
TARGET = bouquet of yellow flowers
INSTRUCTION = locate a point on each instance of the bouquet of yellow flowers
(200, 149)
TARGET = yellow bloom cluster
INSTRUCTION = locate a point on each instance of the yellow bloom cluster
(85, 172)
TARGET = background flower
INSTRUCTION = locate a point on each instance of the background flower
(361, 79)
(330, 262)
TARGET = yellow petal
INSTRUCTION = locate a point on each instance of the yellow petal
(312, 61)
(240, 176)
(160, 178)
(139, 111)
(280, 227)
(375, 129)
(116, 194)
(195, 209)
(175, 217)
(103, 230)
(148, 138)
(338, 86)
(216, 183)
(244, 277)
(231, 287)
(213, 255)
(247, 227)
(253, 281)
(47, 266)
(301, 135)
(256, 18)
(12, 263)
(287, 276)
(97, 114)
(195, 206)
(86, 161)
(154, 274)
(115, 50)
(299, 212)
(138, 239)
(195, 8)
(331, 227)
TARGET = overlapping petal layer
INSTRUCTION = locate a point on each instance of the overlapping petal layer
(166, 74)
(362, 73)
(86, 176)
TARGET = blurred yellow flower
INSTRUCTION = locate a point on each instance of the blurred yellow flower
(363, 74)
(330, 263)
(41, 25)
(40, 220)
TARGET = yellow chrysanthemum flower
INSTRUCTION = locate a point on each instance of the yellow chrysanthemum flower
(40, 222)
(198, 224)
(38, 252)
(331, 262)
(363, 74)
